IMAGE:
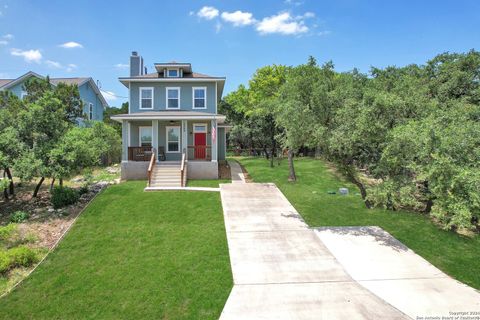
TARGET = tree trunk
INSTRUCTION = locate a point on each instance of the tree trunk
(37, 188)
(274, 146)
(9, 175)
(428, 206)
(363, 191)
(291, 169)
(60, 182)
(265, 151)
(5, 194)
(52, 184)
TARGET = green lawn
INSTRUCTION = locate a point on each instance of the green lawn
(133, 255)
(207, 183)
(454, 254)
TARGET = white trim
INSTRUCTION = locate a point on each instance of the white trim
(139, 116)
(179, 139)
(129, 97)
(166, 97)
(216, 98)
(140, 136)
(200, 124)
(140, 97)
(205, 97)
(176, 69)
(128, 133)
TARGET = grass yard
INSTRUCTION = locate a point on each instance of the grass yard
(133, 255)
(207, 183)
(458, 256)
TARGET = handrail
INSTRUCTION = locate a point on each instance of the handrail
(151, 166)
(182, 171)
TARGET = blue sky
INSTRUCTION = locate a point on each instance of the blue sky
(226, 38)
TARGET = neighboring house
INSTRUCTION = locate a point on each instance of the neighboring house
(93, 101)
(172, 111)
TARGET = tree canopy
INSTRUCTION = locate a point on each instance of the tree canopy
(413, 131)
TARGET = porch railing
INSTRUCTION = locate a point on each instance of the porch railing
(140, 153)
(183, 171)
(200, 153)
(151, 166)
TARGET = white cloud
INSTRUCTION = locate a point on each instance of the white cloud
(282, 23)
(109, 95)
(324, 33)
(307, 15)
(121, 66)
(294, 2)
(207, 13)
(71, 45)
(238, 18)
(53, 64)
(5, 39)
(71, 67)
(28, 55)
(218, 27)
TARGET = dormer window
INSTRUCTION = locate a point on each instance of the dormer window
(172, 73)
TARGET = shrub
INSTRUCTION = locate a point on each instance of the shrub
(19, 216)
(63, 196)
(17, 257)
(83, 189)
(6, 232)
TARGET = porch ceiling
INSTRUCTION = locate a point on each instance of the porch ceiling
(169, 115)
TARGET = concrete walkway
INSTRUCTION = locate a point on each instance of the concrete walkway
(281, 269)
(236, 172)
(393, 272)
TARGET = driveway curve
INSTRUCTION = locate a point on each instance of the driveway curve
(281, 268)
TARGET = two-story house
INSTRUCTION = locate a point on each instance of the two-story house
(172, 115)
(93, 101)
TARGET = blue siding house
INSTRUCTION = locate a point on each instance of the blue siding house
(93, 101)
(172, 114)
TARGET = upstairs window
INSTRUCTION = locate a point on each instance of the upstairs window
(172, 73)
(90, 111)
(199, 98)
(146, 98)
(173, 98)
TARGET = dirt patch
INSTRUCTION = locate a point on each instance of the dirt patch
(224, 170)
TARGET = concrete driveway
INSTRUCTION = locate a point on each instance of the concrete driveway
(393, 272)
(281, 268)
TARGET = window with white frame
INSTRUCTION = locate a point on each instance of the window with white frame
(173, 98)
(173, 139)
(145, 136)
(90, 111)
(146, 98)
(200, 128)
(199, 98)
(172, 73)
(23, 94)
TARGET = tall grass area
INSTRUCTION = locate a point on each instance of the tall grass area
(133, 255)
(456, 255)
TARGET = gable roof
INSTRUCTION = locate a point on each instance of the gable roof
(79, 81)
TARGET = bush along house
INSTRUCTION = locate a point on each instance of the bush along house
(172, 130)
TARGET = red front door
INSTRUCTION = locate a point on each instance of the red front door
(200, 143)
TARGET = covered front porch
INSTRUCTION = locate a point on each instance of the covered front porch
(200, 140)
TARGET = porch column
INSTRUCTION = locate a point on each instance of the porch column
(184, 139)
(214, 142)
(155, 136)
(125, 135)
